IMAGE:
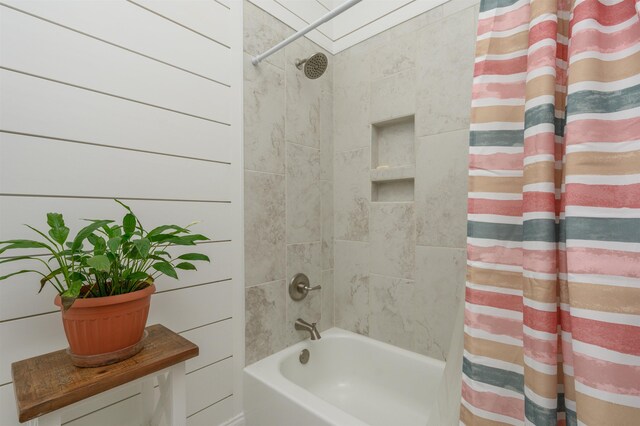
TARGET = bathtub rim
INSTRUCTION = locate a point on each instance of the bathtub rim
(267, 371)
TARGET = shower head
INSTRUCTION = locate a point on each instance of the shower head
(314, 66)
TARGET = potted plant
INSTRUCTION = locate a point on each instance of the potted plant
(104, 277)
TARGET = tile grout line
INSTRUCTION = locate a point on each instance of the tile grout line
(417, 245)
(286, 195)
(266, 173)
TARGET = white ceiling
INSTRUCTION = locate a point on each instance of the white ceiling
(364, 20)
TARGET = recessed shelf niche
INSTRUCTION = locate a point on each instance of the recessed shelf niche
(393, 160)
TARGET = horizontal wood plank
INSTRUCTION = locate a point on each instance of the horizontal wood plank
(126, 412)
(226, 3)
(217, 414)
(8, 409)
(215, 342)
(212, 218)
(127, 25)
(191, 307)
(213, 383)
(65, 168)
(19, 295)
(50, 51)
(219, 268)
(208, 18)
(32, 105)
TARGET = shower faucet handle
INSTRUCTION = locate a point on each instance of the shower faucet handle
(302, 286)
(299, 287)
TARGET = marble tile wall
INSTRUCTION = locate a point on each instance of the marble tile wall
(399, 267)
(391, 270)
(288, 149)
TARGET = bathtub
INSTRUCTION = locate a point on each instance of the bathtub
(349, 380)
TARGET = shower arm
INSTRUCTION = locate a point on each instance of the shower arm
(330, 15)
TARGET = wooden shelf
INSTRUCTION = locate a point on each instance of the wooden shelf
(50, 382)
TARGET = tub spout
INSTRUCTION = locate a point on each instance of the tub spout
(301, 324)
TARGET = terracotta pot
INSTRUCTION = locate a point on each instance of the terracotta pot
(106, 325)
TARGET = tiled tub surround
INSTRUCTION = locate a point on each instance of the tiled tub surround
(400, 266)
(397, 274)
(288, 135)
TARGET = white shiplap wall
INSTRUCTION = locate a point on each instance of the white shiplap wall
(139, 100)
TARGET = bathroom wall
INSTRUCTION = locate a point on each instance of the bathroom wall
(400, 265)
(288, 187)
(141, 101)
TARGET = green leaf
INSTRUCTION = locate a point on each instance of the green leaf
(100, 248)
(77, 276)
(55, 220)
(193, 238)
(138, 276)
(71, 294)
(165, 268)
(186, 266)
(59, 232)
(24, 271)
(186, 240)
(116, 230)
(129, 223)
(84, 233)
(59, 235)
(123, 205)
(114, 244)
(99, 263)
(162, 253)
(194, 256)
(160, 238)
(108, 232)
(16, 258)
(99, 244)
(161, 229)
(22, 244)
(48, 277)
(142, 246)
(69, 253)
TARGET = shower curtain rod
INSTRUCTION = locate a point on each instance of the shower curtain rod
(330, 15)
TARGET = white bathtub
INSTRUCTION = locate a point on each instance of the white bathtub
(350, 380)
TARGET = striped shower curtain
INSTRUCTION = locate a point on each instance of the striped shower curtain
(552, 313)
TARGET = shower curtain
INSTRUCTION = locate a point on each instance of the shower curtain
(552, 312)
